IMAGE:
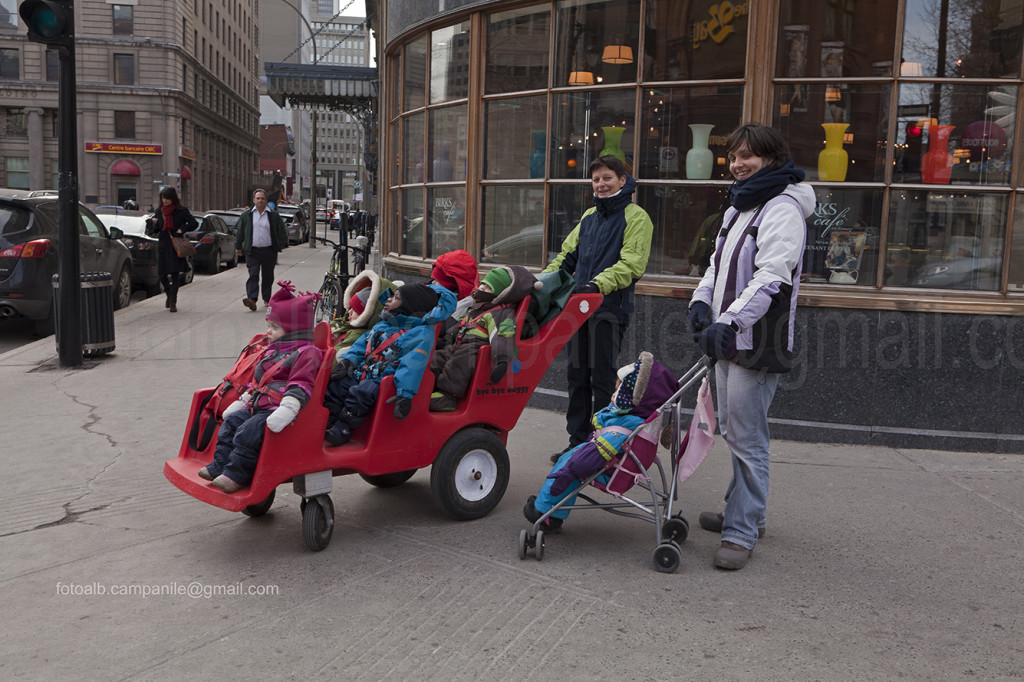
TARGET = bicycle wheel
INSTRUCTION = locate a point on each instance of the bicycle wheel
(327, 306)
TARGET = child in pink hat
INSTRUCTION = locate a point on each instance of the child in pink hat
(282, 384)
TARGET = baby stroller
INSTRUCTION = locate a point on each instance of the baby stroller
(631, 468)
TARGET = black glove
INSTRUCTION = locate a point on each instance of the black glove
(402, 406)
(588, 288)
(717, 339)
(700, 316)
(498, 372)
(344, 368)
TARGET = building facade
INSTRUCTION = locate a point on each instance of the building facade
(166, 96)
(902, 114)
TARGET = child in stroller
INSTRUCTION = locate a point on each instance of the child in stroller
(642, 388)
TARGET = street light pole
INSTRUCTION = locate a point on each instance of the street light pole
(313, 150)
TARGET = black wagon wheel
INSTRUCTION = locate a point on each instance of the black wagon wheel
(328, 303)
(260, 508)
(388, 480)
(470, 474)
(675, 529)
(318, 522)
(666, 557)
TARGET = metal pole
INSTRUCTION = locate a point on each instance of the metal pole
(312, 194)
(69, 322)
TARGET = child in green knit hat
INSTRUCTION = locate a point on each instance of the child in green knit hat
(490, 319)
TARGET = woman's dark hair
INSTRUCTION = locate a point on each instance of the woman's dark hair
(612, 163)
(172, 194)
(762, 141)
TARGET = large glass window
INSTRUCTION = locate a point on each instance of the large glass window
(962, 39)
(695, 40)
(413, 227)
(686, 223)
(959, 134)
(449, 63)
(513, 225)
(414, 74)
(598, 38)
(946, 239)
(589, 124)
(515, 132)
(412, 149)
(124, 124)
(567, 205)
(517, 50)
(448, 142)
(447, 219)
(836, 38)
(124, 20)
(15, 122)
(675, 121)
(842, 236)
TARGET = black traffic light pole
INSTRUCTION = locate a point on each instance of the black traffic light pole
(52, 22)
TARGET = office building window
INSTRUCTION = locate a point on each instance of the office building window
(124, 20)
(124, 69)
(124, 124)
(14, 122)
(9, 64)
(17, 173)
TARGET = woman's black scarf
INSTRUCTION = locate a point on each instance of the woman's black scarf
(763, 185)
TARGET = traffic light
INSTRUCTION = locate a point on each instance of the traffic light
(51, 22)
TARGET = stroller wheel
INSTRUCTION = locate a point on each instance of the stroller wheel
(318, 522)
(666, 558)
(675, 529)
(538, 549)
(523, 540)
(260, 508)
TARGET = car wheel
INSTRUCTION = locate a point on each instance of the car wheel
(45, 326)
(189, 275)
(214, 266)
(123, 288)
(234, 259)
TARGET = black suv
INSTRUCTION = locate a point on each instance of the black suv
(28, 255)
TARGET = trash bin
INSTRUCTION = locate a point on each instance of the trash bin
(97, 306)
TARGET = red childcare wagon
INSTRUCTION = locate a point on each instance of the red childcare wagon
(466, 448)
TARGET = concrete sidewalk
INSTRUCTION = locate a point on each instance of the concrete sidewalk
(878, 563)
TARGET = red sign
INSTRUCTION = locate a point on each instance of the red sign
(186, 153)
(123, 148)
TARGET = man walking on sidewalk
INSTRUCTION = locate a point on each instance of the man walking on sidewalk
(260, 235)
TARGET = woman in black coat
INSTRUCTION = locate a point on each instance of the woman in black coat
(171, 219)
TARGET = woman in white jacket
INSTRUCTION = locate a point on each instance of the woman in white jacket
(743, 311)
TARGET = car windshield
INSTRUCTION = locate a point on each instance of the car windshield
(129, 224)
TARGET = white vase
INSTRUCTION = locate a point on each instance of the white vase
(699, 160)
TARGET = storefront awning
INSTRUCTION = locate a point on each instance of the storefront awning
(321, 86)
(125, 167)
(186, 173)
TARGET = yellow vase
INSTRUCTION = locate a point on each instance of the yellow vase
(832, 160)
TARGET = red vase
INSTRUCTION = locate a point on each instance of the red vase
(937, 164)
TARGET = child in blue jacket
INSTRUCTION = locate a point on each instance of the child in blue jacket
(643, 387)
(399, 345)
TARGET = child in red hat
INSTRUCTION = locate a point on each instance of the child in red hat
(456, 271)
(283, 383)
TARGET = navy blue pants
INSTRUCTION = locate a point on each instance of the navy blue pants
(349, 399)
(260, 260)
(238, 445)
(593, 362)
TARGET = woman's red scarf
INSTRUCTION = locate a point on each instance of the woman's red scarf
(168, 211)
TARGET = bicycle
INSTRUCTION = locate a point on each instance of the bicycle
(336, 278)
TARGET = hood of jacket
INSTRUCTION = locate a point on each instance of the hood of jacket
(381, 290)
(617, 201)
(523, 283)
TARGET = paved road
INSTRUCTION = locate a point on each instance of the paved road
(878, 564)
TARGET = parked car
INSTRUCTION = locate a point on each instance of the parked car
(230, 216)
(321, 215)
(28, 255)
(215, 244)
(296, 223)
(142, 248)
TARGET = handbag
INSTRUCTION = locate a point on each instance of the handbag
(183, 247)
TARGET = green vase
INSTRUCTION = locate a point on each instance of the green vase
(613, 142)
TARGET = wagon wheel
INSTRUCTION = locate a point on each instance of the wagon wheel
(666, 557)
(388, 480)
(260, 508)
(470, 474)
(318, 522)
